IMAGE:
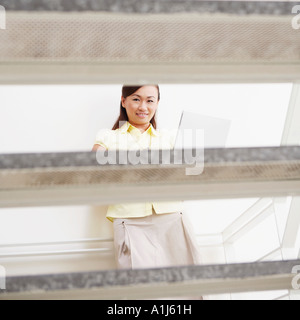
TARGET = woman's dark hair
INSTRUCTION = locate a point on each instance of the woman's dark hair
(126, 92)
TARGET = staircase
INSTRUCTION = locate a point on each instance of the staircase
(187, 42)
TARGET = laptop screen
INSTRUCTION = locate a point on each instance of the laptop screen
(198, 130)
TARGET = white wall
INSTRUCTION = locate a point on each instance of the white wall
(67, 118)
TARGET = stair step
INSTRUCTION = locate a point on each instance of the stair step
(76, 178)
(155, 283)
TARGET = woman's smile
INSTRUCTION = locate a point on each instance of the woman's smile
(142, 115)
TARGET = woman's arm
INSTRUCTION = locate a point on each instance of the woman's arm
(97, 146)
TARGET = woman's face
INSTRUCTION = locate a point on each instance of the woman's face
(141, 105)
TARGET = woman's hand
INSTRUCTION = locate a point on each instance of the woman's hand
(97, 147)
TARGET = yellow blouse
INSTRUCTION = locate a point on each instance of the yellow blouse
(128, 137)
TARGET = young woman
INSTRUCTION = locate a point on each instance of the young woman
(146, 235)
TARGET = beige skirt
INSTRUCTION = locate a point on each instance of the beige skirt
(159, 240)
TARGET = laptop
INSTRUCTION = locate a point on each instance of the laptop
(201, 131)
